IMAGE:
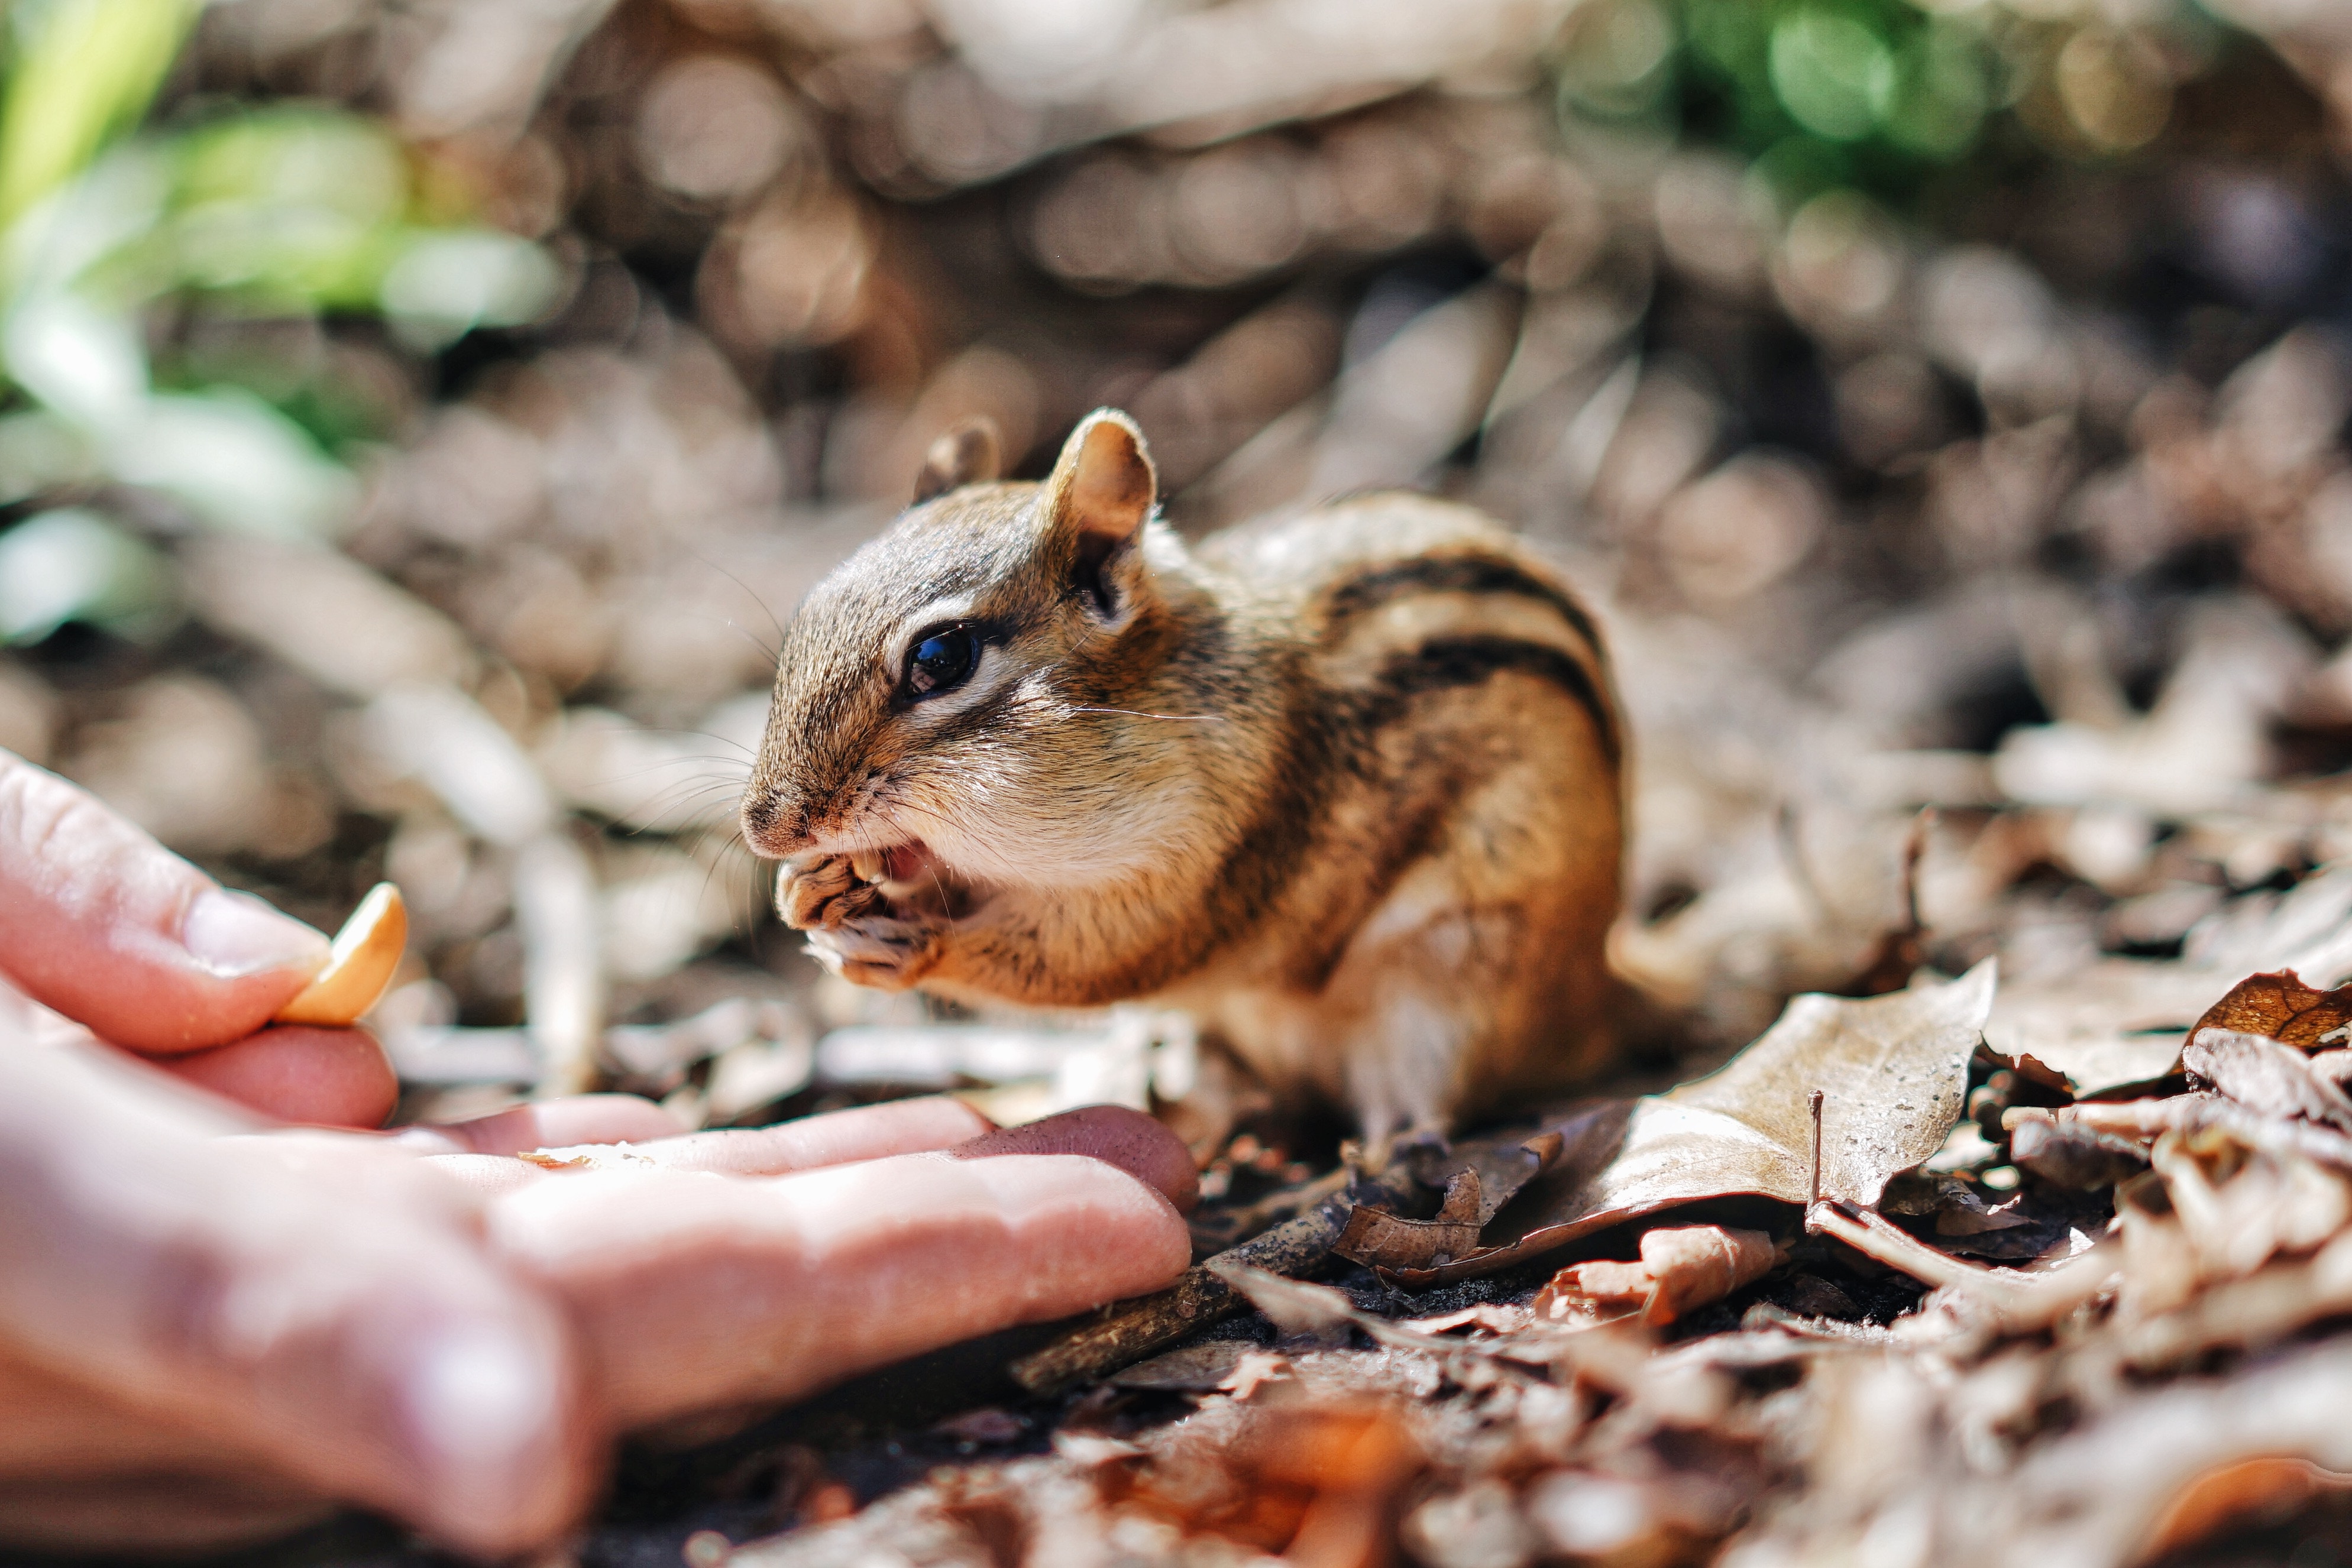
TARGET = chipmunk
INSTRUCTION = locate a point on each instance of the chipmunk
(1345, 787)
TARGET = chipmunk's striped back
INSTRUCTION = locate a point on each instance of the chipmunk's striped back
(1464, 775)
(1398, 594)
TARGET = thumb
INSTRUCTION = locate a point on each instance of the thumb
(108, 927)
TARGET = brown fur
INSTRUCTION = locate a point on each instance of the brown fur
(1345, 785)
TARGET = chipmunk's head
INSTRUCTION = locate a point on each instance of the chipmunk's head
(944, 699)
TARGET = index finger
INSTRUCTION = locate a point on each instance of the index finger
(698, 1293)
(108, 927)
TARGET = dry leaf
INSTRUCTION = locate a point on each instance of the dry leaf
(1380, 1240)
(1194, 1369)
(2262, 1074)
(2100, 1064)
(1891, 1068)
(2074, 1154)
(1696, 1264)
(2122, 1022)
(1585, 1296)
(1294, 1306)
(1503, 1166)
(1494, 1317)
(1967, 1215)
(2246, 1492)
(1681, 1266)
(2283, 1008)
(1257, 1366)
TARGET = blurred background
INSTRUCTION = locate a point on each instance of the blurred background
(416, 418)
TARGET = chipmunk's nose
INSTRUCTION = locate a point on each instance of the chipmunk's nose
(774, 824)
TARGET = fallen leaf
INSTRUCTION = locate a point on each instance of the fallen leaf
(1294, 1306)
(1194, 1369)
(2249, 1491)
(2239, 1203)
(1970, 1216)
(1380, 1240)
(2281, 1007)
(2074, 1154)
(1586, 1295)
(1681, 1266)
(2122, 1022)
(2263, 1074)
(1495, 1317)
(1257, 1366)
(1892, 1070)
(2099, 1064)
(989, 1426)
(1503, 1166)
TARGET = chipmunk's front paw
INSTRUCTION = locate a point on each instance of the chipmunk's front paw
(855, 929)
(879, 950)
(823, 892)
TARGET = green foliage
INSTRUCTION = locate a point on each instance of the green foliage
(281, 212)
(79, 73)
(1880, 95)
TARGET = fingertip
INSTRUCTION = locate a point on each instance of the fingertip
(322, 1077)
(1111, 1134)
(232, 936)
(502, 1455)
(106, 925)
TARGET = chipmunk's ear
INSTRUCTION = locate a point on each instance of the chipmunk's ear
(966, 454)
(1100, 492)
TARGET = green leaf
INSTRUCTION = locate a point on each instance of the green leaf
(83, 72)
(236, 463)
(73, 565)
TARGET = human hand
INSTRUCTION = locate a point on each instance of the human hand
(207, 1336)
(105, 926)
(207, 1339)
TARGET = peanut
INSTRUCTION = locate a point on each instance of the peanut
(359, 966)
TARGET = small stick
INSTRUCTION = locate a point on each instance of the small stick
(1814, 1104)
(1132, 1330)
(1874, 1236)
(2019, 1306)
(1914, 847)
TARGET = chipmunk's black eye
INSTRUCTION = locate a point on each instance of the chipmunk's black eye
(941, 661)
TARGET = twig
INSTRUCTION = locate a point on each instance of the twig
(1875, 1236)
(1900, 950)
(2018, 1305)
(1813, 1105)
(1130, 1330)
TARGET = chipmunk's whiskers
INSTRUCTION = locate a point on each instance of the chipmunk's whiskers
(1172, 717)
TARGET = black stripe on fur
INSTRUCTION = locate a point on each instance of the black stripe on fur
(1457, 574)
(1445, 663)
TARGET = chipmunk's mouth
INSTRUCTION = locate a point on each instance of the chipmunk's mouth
(910, 875)
(898, 863)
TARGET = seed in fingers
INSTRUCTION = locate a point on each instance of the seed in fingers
(359, 964)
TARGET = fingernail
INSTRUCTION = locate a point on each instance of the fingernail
(235, 934)
(479, 1403)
